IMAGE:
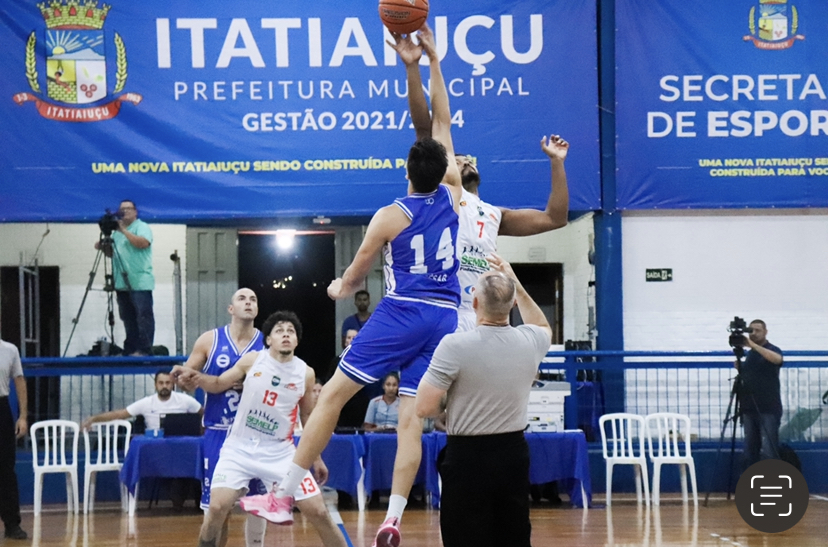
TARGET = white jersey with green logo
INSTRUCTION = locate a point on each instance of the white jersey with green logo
(476, 239)
(269, 406)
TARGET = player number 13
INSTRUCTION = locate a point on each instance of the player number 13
(270, 398)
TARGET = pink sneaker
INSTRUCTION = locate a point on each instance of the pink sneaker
(269, 507)
(388, 534)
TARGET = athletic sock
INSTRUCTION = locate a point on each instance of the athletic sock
(293, 479)
(254, 531)
(396, 506)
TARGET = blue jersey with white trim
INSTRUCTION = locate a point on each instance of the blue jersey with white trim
(220, 408)
(421, 262)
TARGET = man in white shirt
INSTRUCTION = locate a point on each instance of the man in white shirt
(153, 407)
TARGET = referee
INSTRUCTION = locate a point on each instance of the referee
(486, 375)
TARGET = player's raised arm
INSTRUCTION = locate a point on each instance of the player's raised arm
(527, 222)
(441, 112)
(387, 223)
(410, 54)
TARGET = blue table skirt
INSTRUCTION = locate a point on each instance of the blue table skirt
(173, 457)
(380, 451)
(552, 457)
(343, 457)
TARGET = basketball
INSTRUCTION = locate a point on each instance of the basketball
(403, 16)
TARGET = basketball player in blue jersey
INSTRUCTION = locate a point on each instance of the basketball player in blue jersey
(214, 352)
(418, 233)
(480, 222)
(278, 391)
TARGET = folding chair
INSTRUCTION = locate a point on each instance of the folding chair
(53, 434)
(666, 433)
(624, 433)
(111, 446)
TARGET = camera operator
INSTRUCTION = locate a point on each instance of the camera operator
(134, 282)
(761, 402)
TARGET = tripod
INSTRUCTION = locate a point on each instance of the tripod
(107, 252)
(736, 406)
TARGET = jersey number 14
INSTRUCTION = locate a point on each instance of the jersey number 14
(445, 252)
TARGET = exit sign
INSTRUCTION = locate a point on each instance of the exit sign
(659, 274)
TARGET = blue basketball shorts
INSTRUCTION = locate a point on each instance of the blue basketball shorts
(401, 335)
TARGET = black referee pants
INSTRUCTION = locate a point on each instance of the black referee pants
(10, 497)
(485, 497)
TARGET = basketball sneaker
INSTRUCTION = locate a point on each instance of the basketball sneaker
(269, 507)
(388, 534)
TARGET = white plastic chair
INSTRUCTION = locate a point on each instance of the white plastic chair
(53, 434)
(112, 437)
(624, 433)
(667, 432)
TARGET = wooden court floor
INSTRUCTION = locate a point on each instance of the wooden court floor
(625, 525)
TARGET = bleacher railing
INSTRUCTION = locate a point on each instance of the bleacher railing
(697, 384)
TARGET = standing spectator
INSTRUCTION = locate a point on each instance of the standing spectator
(487, 374)
(362, 301)
(353, 413)
(760, 402)
(10, 368)
(134, 282)
(384, 411)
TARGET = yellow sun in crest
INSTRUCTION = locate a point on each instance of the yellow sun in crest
(58, 50)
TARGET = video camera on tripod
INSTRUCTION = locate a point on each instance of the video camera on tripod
(738, 328)
(109, 223)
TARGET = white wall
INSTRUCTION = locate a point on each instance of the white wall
(568, 246)
(767, 266)
(70, 247)
(771, 266)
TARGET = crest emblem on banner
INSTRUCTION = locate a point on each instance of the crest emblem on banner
(773, 25)
(75, 46)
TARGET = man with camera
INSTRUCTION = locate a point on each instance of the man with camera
(131, 253)
(761, 402)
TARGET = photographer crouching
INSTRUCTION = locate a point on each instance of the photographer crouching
(130, 248)
(761, 402)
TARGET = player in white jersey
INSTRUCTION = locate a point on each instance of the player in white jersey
(278, 388)
(213, 353)
(481, 223)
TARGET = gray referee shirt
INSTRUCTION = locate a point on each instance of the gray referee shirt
(10, 367)
(488, 373)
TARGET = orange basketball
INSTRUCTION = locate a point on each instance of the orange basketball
(403, 16)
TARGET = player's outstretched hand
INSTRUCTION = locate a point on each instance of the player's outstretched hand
(426, 37)
(186, 378)
(335, 289)
(405, 47)
(320, 471)
(498, 264)
(555, 147)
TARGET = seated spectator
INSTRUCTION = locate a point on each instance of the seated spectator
(383, 411)
(437, 423)
(153, 408)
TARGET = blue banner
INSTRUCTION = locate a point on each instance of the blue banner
(722, 104)
(249, 109)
